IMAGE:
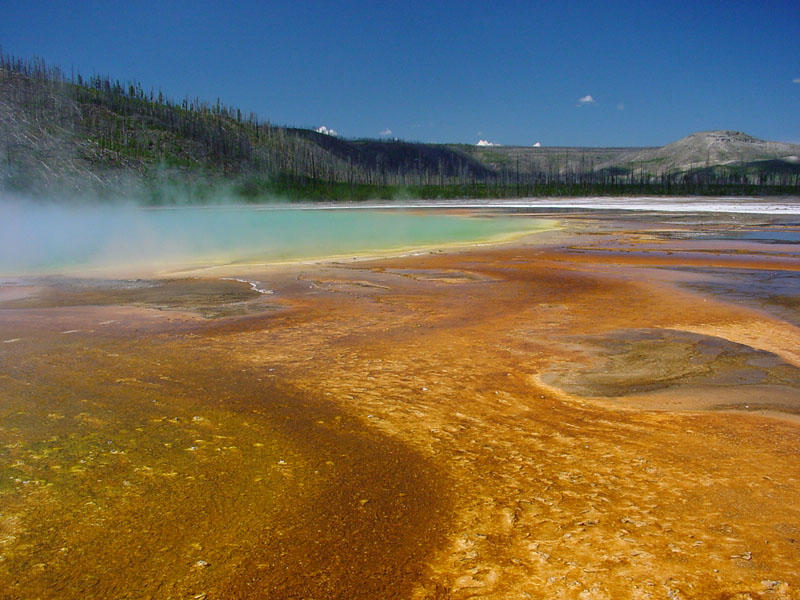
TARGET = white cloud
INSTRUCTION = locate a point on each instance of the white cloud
(537, 145)
(386, 131)
(486, 143)
(587, 99)
(325, 130)
(796, 80)
(620, 106)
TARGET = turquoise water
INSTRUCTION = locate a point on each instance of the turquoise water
(56, 239)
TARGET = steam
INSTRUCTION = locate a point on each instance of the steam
(95, 235)
(43, 238)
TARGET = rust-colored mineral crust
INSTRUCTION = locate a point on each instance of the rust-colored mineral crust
(603, 412)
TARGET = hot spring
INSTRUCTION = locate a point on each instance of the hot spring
(56, 239)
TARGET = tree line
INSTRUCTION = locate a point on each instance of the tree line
(116, 125)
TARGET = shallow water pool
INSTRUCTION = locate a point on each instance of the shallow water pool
(46, 239)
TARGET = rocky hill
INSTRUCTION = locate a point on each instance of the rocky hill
(702, 150)
(709, 149)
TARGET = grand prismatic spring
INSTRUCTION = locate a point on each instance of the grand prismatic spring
(585, 404)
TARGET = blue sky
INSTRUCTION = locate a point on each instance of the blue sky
(515, 73)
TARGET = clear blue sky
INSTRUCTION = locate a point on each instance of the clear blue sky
(509, 72)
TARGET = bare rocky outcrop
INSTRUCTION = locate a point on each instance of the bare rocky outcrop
(709, 149)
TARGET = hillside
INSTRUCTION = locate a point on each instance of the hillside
(99, 138)
(710, 149)
(59, 136)
(547, 159)
(699, 151)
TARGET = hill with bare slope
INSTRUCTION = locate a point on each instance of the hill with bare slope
(707, 149)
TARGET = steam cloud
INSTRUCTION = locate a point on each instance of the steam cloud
(45, 237)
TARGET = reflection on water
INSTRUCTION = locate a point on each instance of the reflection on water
(770, 236)
(765, 236)
(773, 291)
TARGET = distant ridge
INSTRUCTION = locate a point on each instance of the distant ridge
(712, 148)
(701, 150)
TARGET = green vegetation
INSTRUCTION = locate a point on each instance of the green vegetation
(305, 189)
(102, 138)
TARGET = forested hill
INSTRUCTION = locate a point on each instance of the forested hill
(60, 136)
(73, 137)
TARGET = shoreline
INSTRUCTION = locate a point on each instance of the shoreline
(239, 266)
(368, 255)
(732, 204)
